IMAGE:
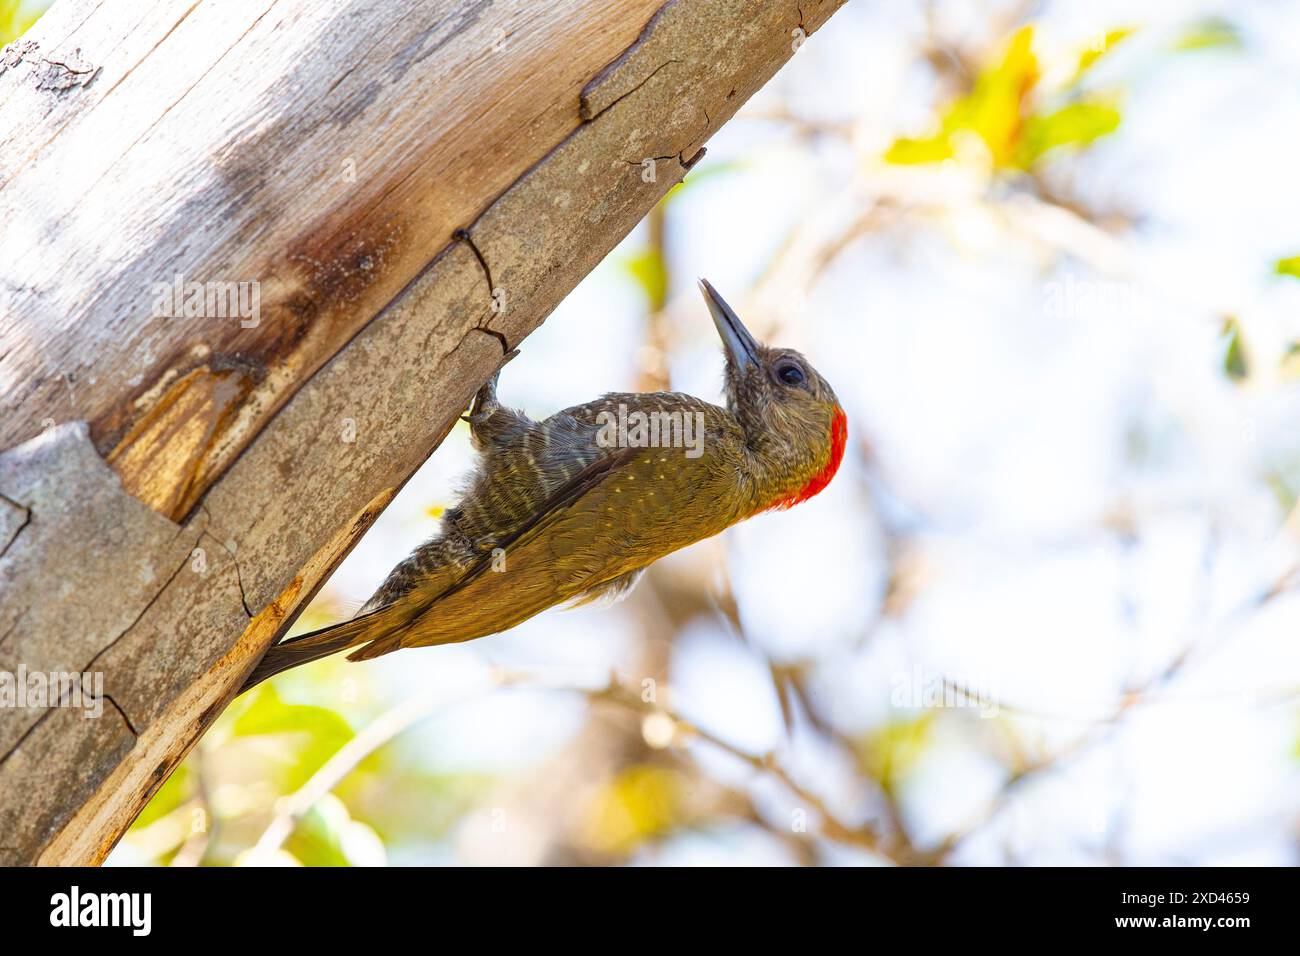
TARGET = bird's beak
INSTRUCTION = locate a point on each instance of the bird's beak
(741, 347)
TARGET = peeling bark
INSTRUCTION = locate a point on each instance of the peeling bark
(208, 476)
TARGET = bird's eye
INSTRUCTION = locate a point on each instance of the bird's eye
(791, 374)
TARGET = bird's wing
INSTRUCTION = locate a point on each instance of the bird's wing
(524, 465)
(622, 510)
(431, 608)
(390, 625)
(519, 474)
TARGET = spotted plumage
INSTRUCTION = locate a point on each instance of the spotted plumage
(572, 509)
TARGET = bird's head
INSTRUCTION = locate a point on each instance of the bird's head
(793, 423)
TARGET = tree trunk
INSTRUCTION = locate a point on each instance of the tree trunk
(257, 257)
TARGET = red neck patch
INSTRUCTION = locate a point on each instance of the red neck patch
(839, 440)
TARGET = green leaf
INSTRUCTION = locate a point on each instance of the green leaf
(174, 792)
(1289, 266)
(327, 835)
(317, 732)
(1235, 365)
(1212, 33)
(404, 802)
(651, 273)
(1076, 124)
(317, 839)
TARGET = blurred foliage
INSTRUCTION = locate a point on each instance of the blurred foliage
(1289, 266)
(1015, 120)
(265, 747)
(1290, 370)
(17, 17)
(1212, 33)
(1095, 51)
(651, 275)
(1235, 364)
(329, 836)
(1284, 483)
(321, 731)
(1076, 124)
(889, 752)
(638, 803)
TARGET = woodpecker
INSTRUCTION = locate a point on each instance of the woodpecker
(574, 508)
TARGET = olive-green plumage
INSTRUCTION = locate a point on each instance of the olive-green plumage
(571, 509)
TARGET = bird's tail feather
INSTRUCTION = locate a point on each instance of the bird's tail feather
(322, 643)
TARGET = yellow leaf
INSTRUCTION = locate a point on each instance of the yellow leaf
(905, 151)
(1095, 51)
(1289, 266)
(641, 802)
(1076, 124)
(887, 753)
(994, 108)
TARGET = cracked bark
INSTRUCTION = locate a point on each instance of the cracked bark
(13, 526)
(485, 326)
(474, 169)
(122, 713)
(589, 111)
